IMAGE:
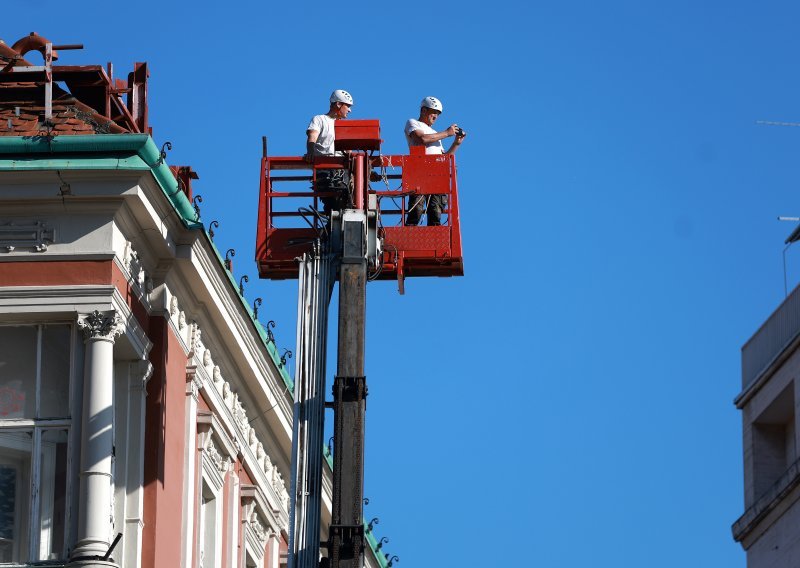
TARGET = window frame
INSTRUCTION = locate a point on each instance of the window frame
(37, 426)
(212, 483)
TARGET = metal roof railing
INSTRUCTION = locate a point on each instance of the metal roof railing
(771, 339)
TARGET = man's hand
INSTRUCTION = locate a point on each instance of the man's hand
(452, 130)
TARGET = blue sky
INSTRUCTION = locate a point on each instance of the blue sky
(567, 403)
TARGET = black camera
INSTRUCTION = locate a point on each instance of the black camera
(460, 132)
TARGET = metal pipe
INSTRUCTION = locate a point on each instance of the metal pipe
(314, 290)
(359, 181)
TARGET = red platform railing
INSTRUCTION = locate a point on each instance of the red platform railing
(289, 218)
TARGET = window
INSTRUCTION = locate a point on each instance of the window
(208, 527)
(249, 559)
(35, 370)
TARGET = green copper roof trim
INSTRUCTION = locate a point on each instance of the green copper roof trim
(132, 152)
(373, 544)
(27, 164)
(122, 144)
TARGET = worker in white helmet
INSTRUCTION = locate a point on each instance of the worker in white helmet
(321, 137)
(320, 131)
(420, 132)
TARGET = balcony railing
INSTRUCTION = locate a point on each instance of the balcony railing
(772, 338)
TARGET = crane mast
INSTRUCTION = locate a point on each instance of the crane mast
(346, 254)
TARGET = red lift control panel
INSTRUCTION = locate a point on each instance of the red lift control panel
(358, 135)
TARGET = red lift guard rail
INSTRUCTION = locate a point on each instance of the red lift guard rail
(287, 226)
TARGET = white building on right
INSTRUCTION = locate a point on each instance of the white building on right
(769, 529)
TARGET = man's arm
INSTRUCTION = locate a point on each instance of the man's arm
(435, 137)
(456, 143)
(313, 135)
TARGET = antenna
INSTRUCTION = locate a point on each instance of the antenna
(774, 123)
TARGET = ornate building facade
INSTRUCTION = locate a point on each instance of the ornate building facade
(145, 414)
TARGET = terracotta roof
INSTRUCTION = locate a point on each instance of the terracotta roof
(23, 115)
(22, 103)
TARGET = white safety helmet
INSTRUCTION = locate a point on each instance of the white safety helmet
(432, 102)
(340, 96)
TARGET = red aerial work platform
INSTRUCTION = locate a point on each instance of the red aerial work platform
(289, 221)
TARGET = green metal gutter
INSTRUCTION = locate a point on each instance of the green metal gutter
(141, 145)
(132, 152)
(373, 544)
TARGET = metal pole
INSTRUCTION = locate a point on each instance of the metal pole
(48, 83)
(346, 543)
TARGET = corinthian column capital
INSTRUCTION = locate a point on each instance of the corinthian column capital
(101, 325)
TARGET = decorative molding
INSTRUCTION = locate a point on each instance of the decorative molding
(141, 371)
(138, 276)
(222, 464)
(263, 461)
(193, 382)
(258, 528)
(35, 235)
(101, 325)
(194, 340)
(145, 369)
(209, 377)
(134, 332)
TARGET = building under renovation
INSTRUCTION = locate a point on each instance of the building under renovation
(769, 529)
(145, 412)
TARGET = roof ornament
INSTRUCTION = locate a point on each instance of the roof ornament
(198, 199)
(163, 155)
(228, 259)
(270, 326)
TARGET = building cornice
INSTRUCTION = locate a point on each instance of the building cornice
(91, 153)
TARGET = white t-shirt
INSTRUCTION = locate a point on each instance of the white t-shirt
(324, 124)
(432, 148)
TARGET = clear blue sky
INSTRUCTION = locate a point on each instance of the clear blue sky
(568, 403)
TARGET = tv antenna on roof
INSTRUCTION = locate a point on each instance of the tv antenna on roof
(775, 123)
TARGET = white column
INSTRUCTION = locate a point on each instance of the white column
(95, 518)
